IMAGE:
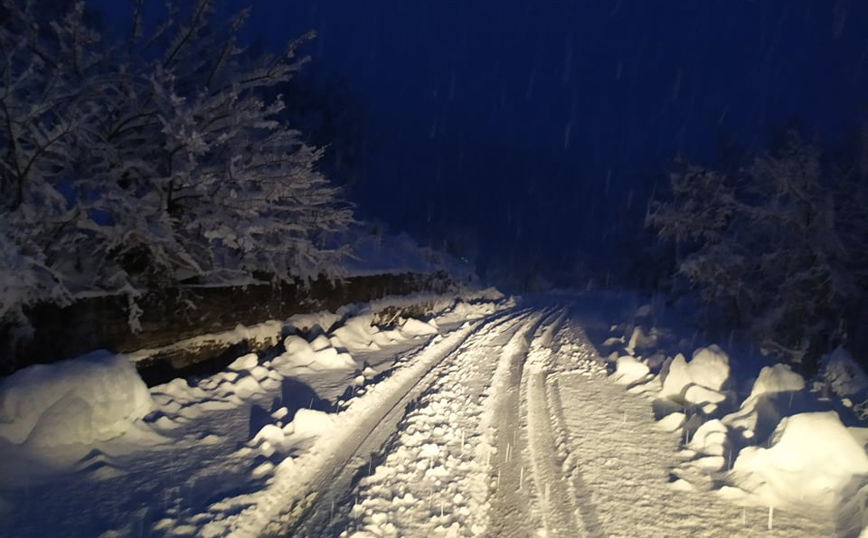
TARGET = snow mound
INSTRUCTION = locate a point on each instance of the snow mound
(320, 343)
(245, 362)
(775, 393)
(628, 370)
(298, 353)
(95, 397)
(415, 327)
(812, 460)
(356, 333)
(317, 355)
(842, 374)
(331, 359)
(310, 423)
(700, 381)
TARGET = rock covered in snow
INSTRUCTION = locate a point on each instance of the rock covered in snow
(95, 397)
(774, 394)
(700, 381)
(812, 460)
(641, 340)
(629, 370)
(776, 379)
(842, 374)
(415, 327)
(711, 439)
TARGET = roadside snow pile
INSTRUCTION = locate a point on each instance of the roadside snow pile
(812, 459)
(414, 327)
(775, 394)
(317, 355)
(282, 438)
(702, 381)
(781, 448)
(93, 398)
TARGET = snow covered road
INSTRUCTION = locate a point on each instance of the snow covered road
(522, 434)
(504, 424)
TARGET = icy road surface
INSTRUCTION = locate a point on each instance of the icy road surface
(496, 420)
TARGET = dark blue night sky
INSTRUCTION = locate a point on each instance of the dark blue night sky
(529, 123)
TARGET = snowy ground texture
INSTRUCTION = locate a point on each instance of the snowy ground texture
(557, 415)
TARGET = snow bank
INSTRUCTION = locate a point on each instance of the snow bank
(775, 394)
(812, 461)
(842, 374)
(93, 398)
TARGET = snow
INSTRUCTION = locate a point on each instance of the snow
(772, 397)
(415, 327)
(812, 459)
(842, 374)
(641, 340)
(699, 381)
(629, 370)
(711, 439)
(93, 398)
(465, 441)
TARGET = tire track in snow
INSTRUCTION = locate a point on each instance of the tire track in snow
(555, 498)
(301, 487)
(425, 481)
(510, 514)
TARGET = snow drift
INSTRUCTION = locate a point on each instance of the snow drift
(93, 398)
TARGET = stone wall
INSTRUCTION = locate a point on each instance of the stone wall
(171, 315)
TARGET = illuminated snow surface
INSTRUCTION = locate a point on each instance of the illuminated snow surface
(493, 417)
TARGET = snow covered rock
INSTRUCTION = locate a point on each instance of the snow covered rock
(842, 374)
(641, 340)
(629, 370)
(775, 394)
(812, 460)
(92, 398)
(701, 381)
(711, 439)
(415, 327)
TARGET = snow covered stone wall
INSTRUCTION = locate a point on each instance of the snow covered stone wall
(169, 316)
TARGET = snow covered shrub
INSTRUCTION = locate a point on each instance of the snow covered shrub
(767, 248)
(143, 163)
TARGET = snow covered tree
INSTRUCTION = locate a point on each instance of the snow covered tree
(130, 165)
(769, 247)
(701, 220)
